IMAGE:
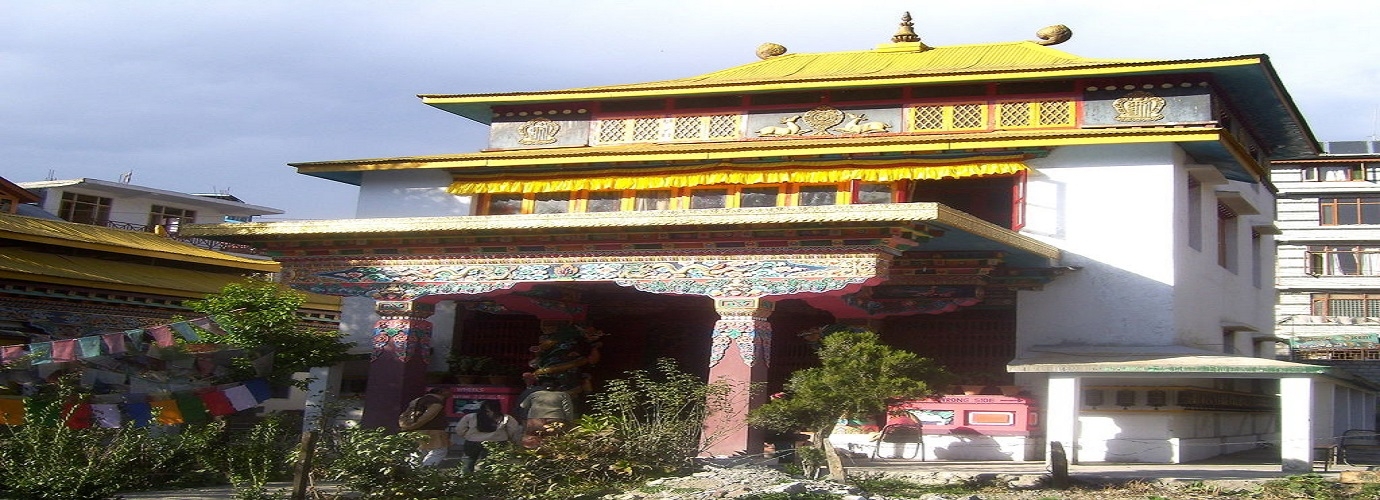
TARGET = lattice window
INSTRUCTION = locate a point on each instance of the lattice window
(954, 117)
(612, 130)
(928, 118)
(687, 127)
(969, 116)
(723, 126)
(646, 129)
(1014, 114)
(1056, 113)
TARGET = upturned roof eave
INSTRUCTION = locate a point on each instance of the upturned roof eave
(478, 107)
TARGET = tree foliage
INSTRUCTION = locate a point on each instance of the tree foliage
(262, 318)
(857, 375)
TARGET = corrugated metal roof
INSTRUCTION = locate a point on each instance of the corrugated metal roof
(86, 236)
(20, 264)
(886, 63)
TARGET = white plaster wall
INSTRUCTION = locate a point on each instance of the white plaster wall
(1171, 436)
(1110, 210)
(409, 193)
(1208, 297)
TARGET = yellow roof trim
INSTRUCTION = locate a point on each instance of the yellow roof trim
(701, 152)
(136, 243)
(825, 172)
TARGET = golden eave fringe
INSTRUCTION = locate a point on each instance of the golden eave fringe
(597, 181)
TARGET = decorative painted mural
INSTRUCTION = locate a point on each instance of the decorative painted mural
(744, 276)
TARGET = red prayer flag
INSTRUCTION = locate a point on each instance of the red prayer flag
(65, 350)
(217, 404)
(78, 417)
(162, 335)
(114, 342)
(11, 353)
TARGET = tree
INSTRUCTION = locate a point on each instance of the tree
(858, 374)
(261, 317)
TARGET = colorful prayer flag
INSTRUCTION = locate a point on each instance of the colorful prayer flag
(167, 411)
(241, 398)
(186, 331)
(162, 335)
(11, 353)
(42, 352)
(216, 403)
(65, 350)
(90, 347)
(106, 415)
(114, 342)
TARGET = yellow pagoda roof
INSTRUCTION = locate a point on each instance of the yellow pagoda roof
(119, 241)
(889, 64)
(89, 272)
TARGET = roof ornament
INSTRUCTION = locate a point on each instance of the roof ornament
(1054, 35)
(769, 50)
(906, 33)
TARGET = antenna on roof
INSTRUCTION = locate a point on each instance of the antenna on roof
(126, 177)
(52, 175)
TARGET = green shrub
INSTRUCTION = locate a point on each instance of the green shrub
(45, 459)
(367, 459)
(253, 458)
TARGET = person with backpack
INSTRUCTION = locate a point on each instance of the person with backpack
(424, 415)
(489, 424)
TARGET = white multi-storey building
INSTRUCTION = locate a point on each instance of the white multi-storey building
(1329, 256)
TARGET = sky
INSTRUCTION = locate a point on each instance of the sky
(220, 96)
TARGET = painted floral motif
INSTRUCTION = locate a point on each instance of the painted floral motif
(750, 335)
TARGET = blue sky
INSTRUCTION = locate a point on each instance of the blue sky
(201, 96)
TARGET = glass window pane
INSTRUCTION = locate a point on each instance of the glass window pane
(609, 201)
(874, 193)
(1347, 213)
(505, 204)
(811, 196)
(653, 200)
(1370, 211)
(758, 197)
(553, 203)
(708, 198)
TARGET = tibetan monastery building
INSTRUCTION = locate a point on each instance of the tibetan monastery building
(1096, 231)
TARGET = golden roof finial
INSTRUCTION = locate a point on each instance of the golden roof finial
(906, 33)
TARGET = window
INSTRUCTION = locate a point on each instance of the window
(1348, 211)
(84, 209)
(708, 198)
(813, 196)
(1195, 214)
(1356, 305)
(1226, 237)
(7, 205)
(1343, 261)
(652, 200)
(873, 192)
(504, 204)
(604, 201)
(1343, 172)
(759, 197)
(552, 203)
(170, 217)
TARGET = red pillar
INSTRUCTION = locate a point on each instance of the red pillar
(397, 368)
(741, 347)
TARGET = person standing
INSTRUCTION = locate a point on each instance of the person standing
(424, 415)
(548, 410)
(489, 424)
